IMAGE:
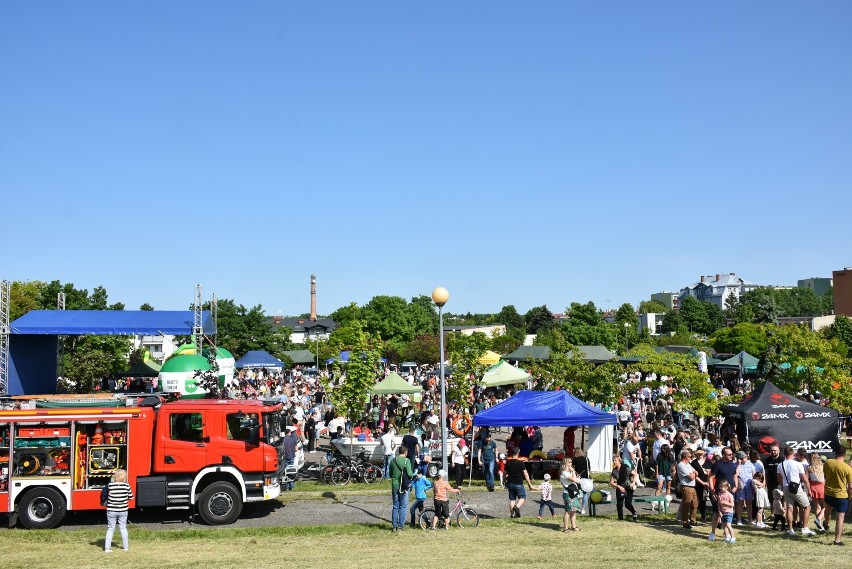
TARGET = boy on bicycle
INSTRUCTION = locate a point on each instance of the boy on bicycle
(442, 490)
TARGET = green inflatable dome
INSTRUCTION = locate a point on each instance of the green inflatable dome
(185, 363)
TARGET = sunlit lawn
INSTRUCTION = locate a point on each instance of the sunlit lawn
(603, 542)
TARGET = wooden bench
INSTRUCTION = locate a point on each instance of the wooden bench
(653, 500)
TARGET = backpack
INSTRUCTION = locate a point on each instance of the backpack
(105, 495)
(572, 490)
(404, 481)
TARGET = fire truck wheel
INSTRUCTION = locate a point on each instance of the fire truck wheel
(42, 508)
(220, 504)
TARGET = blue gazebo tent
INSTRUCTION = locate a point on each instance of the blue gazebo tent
(556, 409)
(258, 359)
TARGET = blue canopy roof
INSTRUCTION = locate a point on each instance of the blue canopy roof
(258, 359)
(344, 357)
(544, 409)
(109, 322)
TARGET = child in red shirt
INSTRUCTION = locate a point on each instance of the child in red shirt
(501, 467)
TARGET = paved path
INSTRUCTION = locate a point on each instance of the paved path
(327, 505)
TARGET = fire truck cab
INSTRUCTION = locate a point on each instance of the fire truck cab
(206, 456)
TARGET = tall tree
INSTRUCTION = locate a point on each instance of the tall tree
(806, 360)
(828, 301)
(694, 315)
(23, 297)
(242, 329)
(652, 307)
(88, 359)
(590, 382)
(361, 374)
(538, 319)
(423, 349)
(694, 391)
(346, 314)
(346, 337)
(505, 343)
(388, 317)
(840, 329)
(464, 352)
(510, 317)
(423, 315)
(75, 299)
(626, 325)
(763, 305)
(584, 326)
(743, 336)
(673, 322)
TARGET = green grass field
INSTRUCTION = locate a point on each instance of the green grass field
(603, 542)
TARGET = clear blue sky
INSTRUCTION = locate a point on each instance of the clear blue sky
(514, 152)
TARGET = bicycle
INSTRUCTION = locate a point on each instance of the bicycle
(465, 515)
(333, 460)
(359, 468)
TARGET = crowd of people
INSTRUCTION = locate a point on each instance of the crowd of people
(712, 464)
(700, 460)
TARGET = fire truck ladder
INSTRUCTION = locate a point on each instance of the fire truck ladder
(197, 328)
(5, 296)
(214, 314)
(60, 340)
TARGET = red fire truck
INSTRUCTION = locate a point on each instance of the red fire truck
(206, 456)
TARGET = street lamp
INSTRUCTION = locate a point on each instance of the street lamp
(440, 296)
(316, 337)
(626, 347)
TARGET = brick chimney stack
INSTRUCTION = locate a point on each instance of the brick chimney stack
(313, 298)
(702, 278)
(718, 277)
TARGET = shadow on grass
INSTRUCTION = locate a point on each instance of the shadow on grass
(671, 525)
(334, 498)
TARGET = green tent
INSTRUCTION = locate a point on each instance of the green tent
(394, 383)
(504, 373)
(143, 368)
(594, 354)
(528, 353)
(301, 356)
(749, 362)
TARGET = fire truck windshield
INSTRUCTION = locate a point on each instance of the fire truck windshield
(272, 427)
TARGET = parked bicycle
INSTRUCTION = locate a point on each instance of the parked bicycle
(465, 516)
(346, 469)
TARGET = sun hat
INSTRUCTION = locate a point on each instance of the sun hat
(547, 476)
(741, 454)
(442, 473)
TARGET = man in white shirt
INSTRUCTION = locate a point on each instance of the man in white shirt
(791, 471)
(388, 448)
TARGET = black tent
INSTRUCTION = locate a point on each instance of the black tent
(768, 416)
(142, 368)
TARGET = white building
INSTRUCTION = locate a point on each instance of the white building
(161, 348)
(652, 322)
(717, 290)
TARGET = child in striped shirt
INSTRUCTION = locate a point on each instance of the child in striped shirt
(118, 498)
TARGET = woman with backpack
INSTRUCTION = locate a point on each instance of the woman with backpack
(401, 475)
